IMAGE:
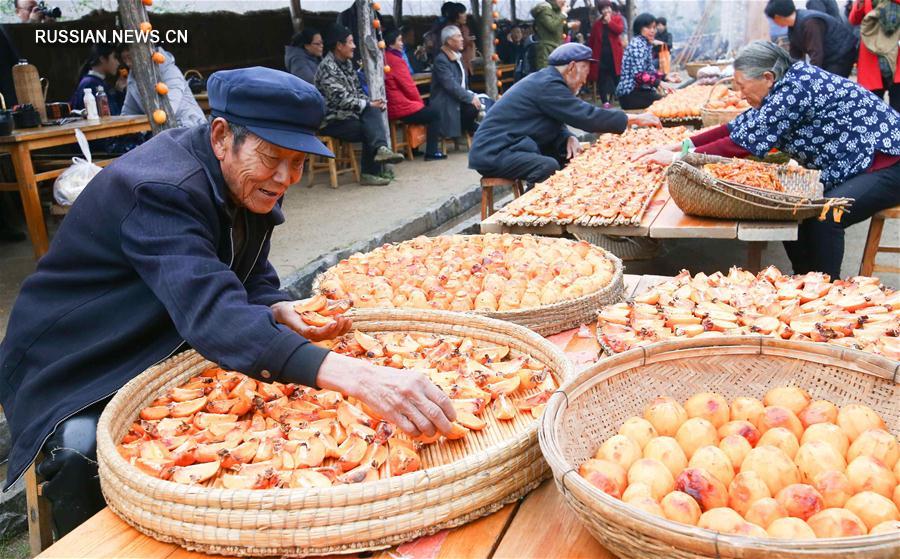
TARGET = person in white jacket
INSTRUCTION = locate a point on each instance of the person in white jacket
(187, 112)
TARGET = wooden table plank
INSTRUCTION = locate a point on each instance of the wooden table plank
(545, 527)
(767, 230)
(103, 535)
(672, 223)
(44, 132)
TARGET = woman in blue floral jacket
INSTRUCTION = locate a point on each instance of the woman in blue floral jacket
(639, 79)
(824, 122)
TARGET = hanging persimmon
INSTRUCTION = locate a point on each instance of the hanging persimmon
(162, 88)
(146, 27)
(376, 23)
(158, 57)
(160, 116)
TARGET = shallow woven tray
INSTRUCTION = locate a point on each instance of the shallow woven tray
(692, 68)
(461, 480)
(565, 315)
(698, 193)
(590, 408)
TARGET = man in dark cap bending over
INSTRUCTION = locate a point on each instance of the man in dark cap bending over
(525, 135)
(167, 248)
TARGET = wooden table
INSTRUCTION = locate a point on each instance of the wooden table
(20, 145)
(665, 220)
(539, 526)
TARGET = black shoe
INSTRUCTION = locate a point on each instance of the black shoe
(437, 156)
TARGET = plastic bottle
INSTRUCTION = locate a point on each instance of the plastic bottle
(90, 105)
(102, 102)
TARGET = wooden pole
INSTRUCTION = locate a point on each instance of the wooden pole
(371, 55)
(145, 71)
(398, 13)
(512, 11)
(296, 15)
(487, 48)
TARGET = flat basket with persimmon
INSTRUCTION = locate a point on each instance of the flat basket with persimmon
(600, 404)
(278, 511)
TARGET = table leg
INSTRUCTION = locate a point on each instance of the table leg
(754, 255)
(34, 214)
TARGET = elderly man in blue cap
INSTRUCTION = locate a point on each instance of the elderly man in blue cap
(526, 134)
(167, 249)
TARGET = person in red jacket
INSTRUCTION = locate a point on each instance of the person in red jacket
(606, 43)
(403, 99)
(867, 67)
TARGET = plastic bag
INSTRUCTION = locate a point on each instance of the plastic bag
(72, 181)
(665, 59)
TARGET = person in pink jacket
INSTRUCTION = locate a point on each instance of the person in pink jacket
(867, 67)
(403, 99)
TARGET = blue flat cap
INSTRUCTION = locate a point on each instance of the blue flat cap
(570, 52)
(277, 106)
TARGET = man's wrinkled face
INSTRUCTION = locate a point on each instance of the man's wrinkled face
(576, 74)
(257, 173)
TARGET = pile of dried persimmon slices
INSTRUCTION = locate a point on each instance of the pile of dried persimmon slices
(602, 185)
(223, 429)
(747, 173)
(858, 313)
(470, 272)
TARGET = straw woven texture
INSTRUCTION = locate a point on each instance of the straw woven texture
(698, 193)
(460, 480)
(558, 317)
(693, 68)
(592, 406)
(715, 117)
(626, 248)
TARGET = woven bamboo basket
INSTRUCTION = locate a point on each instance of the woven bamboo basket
(692, 68)
(552, 319)
(715, 117)
(591, 407)
(698, 193)
(460, 480)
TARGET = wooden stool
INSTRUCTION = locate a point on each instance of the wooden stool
(396, 144)
(344, 161)
(40, 526)
(873, 240)
(487, 192)
(445, 140)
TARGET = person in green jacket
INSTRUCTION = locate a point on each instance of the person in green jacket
(549, 27)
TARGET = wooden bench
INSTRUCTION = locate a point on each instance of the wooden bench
(873, 244)
(487, 192)
(344, 161)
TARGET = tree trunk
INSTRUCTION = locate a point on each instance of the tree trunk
(372, 57)
(487, 48)
(296, 16)
(145, 71)
(398, 12)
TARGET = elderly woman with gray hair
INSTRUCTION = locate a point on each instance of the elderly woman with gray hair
(824, 122)
(450, 95)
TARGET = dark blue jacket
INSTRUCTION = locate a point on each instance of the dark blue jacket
(142, 265)
(535, 113)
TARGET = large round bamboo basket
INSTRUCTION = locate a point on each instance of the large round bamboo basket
(591, 407)
(564, 315)
(460, 480)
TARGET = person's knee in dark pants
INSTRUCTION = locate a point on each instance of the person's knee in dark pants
(69, 471)
(820, 244)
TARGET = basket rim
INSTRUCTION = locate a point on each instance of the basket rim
(511, 316)
(107, 447)
(855, 360)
